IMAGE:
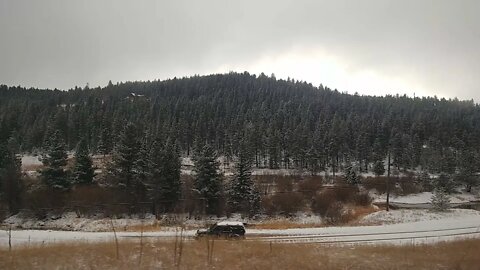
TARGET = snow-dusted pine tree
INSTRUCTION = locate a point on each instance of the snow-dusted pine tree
(351, 176)
(165, 166)
(208, 180)
(124, 156)
(243, 197)
(83, 171)
(10, 175)
(105, 141)
(54, 160)
(440, 200)
(379, 168)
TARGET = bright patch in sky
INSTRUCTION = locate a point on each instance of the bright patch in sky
(319, 67)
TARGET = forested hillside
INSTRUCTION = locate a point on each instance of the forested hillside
(288, 124)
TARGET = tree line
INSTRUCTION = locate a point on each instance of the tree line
(285, 123)
(142, 169)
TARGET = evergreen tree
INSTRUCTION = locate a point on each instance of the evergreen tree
(83, 171)
(208, 181)
(124, 157)
(468, 169)
(10, 176)
(440, 200)
(166, 166)
(351, 176)
(105, 143)
(379, 168)
(445, 183)
(141, 170)
(242, 195)
(425, 180)
(54, 173)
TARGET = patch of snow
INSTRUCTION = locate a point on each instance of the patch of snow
(425, 198)
(29, 160)
(415, 215)
(71, 222)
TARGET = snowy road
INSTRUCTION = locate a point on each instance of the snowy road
(430, 231)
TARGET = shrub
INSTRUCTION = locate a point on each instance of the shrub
(408, 186)
(283, 203)
(284, 183)
(322, 201)
(309, 186)
(92, 199)
(362, 199)
(377, 183)
(345, 193)
(44, 200)
(335, 213)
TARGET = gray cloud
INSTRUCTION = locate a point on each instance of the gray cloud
(432, 45)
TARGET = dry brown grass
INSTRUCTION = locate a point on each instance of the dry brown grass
(281, 224)
(157, 254)
(358, 212)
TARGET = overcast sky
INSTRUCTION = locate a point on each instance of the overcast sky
(373, 47)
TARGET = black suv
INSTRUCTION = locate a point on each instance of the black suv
(226, 229)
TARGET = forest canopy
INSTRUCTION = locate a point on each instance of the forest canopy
(286, 123)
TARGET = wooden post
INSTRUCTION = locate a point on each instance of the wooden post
(10, 238)
(116, 239)
(388, 181)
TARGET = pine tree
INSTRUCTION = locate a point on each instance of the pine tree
(425, 180)
(208, 181)
(105, 143)
(141, 169)
(10, 175)
(124, 157)
(440, 200)
(83, 171)
(351, 176)
(379, 168)
(445, 183)
(166, 165)
(242, 195)
(468, 168)
(54, 173)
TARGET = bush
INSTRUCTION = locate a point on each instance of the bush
(92, 199)
(309, 186)
(322, 201)
(325, 199)
(335, 214)
(284, 183)
(408, 186)
(44, 200)
(445, 183)
(377, 183)
(283, 203)
(345, 193)
(362, 199)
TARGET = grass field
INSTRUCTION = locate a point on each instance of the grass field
(203, 254)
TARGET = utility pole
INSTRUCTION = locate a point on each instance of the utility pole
(388, 181)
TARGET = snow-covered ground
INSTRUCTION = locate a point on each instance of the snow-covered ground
(426, 197)
(423, 200)
(418, 227)
(71, 222)
(415, 215)
(30, 160)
